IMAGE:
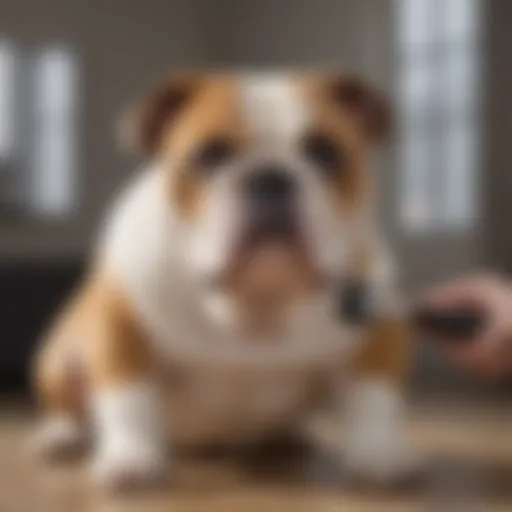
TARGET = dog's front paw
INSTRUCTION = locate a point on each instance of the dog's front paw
(124, 468)
(381, 460)
(377, 447)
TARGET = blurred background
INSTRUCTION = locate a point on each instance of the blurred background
(67, 69)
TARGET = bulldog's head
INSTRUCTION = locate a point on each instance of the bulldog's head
(268, 176)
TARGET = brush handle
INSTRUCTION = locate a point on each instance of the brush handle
(453, 325)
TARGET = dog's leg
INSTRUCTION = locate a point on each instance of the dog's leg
(59, 386)
(129, 428)
(376, 442)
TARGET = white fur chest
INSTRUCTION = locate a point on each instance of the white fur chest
(229, 390)
(234, 403)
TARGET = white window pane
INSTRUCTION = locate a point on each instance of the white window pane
(7, 87)
(438, 94)
(458, 19)
(415, 23)
(418, 88)
(55, 122)
(416, 153)
(461, 156)
(459, 77)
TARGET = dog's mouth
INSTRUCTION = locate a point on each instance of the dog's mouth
(268, 228)
(270, 258)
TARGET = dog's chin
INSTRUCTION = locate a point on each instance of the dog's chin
(263, 278)
(269, 268)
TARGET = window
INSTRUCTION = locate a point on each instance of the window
(38, 99)
(7, 125)
(6, 99)
(53, 170)
(438, 57)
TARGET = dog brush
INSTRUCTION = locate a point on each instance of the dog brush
(453, 325)
(461, 324)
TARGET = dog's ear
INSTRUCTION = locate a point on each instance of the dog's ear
(367, 106)
(143, 126)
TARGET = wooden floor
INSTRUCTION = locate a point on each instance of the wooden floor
(470, 469)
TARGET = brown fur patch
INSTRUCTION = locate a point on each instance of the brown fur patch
(143, 126)
(97, 339)
(352, 186)
(118, 351)
(213, 113)
(386, 352)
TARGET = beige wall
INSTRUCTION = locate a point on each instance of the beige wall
(497, 182)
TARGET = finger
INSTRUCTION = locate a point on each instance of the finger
(504, 356)
(488, 370)
(475, 362)
(469, 286)
(489, 357)
(508, 364)
(468, 357)
(464, 293)
(493, 341)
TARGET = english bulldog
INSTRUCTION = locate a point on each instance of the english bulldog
(210, 313)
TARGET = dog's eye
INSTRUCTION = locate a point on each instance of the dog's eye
(213, 153)
(323, 152)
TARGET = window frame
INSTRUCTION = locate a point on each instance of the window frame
(436, 55)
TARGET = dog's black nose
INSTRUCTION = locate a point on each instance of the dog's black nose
(269, 186)
(270, 199)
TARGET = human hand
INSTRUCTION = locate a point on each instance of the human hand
(490, 353)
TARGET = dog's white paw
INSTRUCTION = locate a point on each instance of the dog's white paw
(377, 447)
(381, 460)
(57, 437)
(123, 468)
